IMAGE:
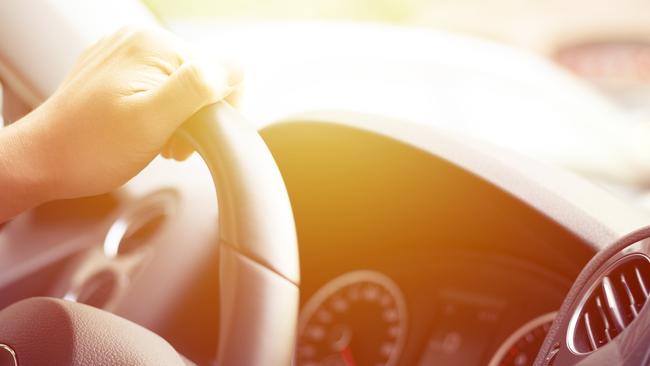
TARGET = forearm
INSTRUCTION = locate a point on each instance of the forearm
(25, 176)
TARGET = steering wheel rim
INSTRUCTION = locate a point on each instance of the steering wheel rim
(259, 266)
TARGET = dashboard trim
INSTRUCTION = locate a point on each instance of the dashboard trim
(588, 211)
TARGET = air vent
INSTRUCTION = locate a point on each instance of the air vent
(611, 305)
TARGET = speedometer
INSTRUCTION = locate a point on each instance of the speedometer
(521, 348)
(356, 319)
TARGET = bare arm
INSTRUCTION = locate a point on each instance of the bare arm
(116, 110)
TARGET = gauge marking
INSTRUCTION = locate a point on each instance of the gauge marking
(358, 318)
(513, 351)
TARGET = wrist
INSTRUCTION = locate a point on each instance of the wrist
(27, 179)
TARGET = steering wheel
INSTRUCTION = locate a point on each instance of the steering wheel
(259, 271)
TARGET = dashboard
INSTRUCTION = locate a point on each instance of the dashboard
(463, 312)
(410, 271)
(408, 256)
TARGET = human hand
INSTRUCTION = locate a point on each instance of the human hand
(116, 110)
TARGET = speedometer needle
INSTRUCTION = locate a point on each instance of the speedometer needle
(346, 355)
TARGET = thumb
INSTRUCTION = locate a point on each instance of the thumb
(188, 89)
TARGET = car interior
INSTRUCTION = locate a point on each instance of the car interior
(310, 230)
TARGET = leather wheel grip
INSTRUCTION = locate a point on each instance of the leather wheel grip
(259, 266)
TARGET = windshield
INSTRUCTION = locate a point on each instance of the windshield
(606, 42)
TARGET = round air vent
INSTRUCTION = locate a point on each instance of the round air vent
(135, 228)
(611, 304)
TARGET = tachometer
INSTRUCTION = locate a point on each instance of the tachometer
(356, 319)
(521, 348)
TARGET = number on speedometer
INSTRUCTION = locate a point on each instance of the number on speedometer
(356, 319)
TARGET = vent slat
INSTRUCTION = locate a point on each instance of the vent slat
(639, 278)
(613, 304)
(603, 318)
(630, 297)
(590, 333)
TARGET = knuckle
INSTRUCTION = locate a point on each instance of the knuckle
(142, 41)
(136, 42)
(138, 39)
(140, 36)
(194, 80)
(130, 34)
